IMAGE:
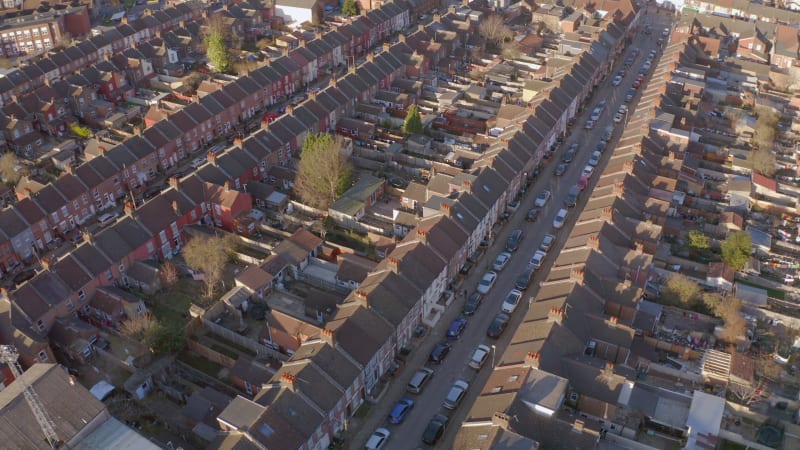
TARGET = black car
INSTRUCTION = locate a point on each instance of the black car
(533, 213)
(569, 156)
(466, 267)
(435, 429)
(24, 276)
(560, 169)
(440, 352)
(472, 303)
(524, 279)
(498, 325)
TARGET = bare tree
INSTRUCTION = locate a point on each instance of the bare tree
(9, 169)
(209, 255)
(494, 31)
(764, 162)
(766, 126)
(767, 368)
(746, 394)
(324, 172)
(169, 274)
(734, 325)
(681, 290)
(142, 328)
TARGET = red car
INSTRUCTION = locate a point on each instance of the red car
(582, 183)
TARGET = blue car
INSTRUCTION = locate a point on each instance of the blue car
(457, 328)
(400, 410)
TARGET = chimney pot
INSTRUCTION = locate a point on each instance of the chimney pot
(328, 337)
(288, 381)
(532, 359)
(394, 264)
(576, 275)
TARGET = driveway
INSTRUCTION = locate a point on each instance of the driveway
(408, 434)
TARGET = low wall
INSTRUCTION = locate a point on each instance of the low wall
(209, 354)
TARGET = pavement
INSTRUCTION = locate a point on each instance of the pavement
(408, 434)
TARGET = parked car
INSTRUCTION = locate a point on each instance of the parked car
(589, 124)
(501, 261)
(617, 80)
(439, 353)
(568, 156)
(479, 356)
(623, 109)
(572, 196)
(419, 379)
(617, 118)
(378, 439)
(487, 282)
(524, 279)
(665, 33)
(498, 325)
(456, 328)
(547, 242)
(542, 198)
(513, 241)
(594, 160)
(561, 217)
(533, 213)
(511, 301)
(435, 429)
(472, 304)
(587, 171)
(400, 410)
(538, 258)
(582, 183)
(455, 395)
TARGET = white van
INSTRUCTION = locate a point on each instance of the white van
(107, 219)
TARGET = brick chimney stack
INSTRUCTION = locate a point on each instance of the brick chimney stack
(394, 264)
(612, 321)
(328, 337)
(175, 183)
(593, 242)
(46, 263)
(289, 381)
(607, 215)
(175, 208)
(501, 420)
(447, 209)
(361, 296)
(129, 209)
(422, 236)
(556, 315)
(532, 359)
(576, 275)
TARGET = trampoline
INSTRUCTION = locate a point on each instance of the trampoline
(769, 435)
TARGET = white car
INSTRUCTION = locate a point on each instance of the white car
(561, 217)
(487, 282)
(511, 301)
(587, 171)
(501, 261)
(479, 357)
(595, 159)
(547, 242)
(378, 439)
(665, 33)
(617, 80)
(646, 65)
(617, 118)
(542, 198)
(589, 124)
(456, 394)
(538, 258)
(623, 109)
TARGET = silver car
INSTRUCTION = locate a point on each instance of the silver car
(456, 394)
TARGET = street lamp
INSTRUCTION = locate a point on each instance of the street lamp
(493, 351)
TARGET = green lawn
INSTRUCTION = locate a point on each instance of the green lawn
(173, 305)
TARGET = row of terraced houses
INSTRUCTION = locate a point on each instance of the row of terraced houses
(97, 184)
(346, 361)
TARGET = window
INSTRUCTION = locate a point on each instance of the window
(150, 247)
(76, 204)
(54, 215)
(40, 325)
(70, 305)
(122, 267)
(109, 275)
(81, 295)
(194, 215)
(85, 199)
(42, 356)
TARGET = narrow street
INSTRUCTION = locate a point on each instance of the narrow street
(408, 434)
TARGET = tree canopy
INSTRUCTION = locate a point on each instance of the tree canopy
(324, 172)
(413, 123)
(350, 8)
(736, 250)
